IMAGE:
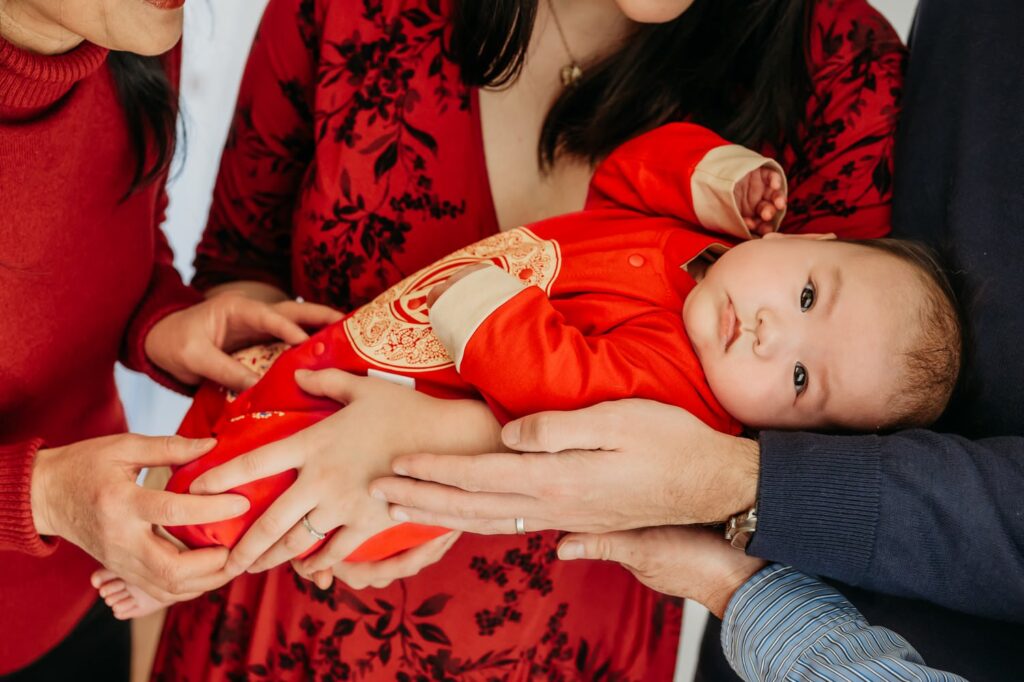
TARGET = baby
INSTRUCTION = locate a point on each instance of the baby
(785, 331)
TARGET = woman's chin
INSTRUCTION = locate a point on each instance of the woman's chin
(154, 43)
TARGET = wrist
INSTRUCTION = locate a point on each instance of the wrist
(40, 485)
(258, 291)
(726, 585)
(744, 465)
(152, 345)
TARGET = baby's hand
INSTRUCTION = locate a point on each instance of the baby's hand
(760, 197)
(444, 286)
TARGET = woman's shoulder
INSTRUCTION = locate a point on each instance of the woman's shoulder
(843, 32)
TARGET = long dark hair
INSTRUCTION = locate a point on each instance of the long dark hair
(151, 109)
(738, 67)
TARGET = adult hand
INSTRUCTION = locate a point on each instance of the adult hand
(691, 562)
(362, 574)
(619, 465)
(194, 343)
(336, 459)
(86, 494)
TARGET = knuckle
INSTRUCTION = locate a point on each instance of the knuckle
(253, 466)
(294, 542)
(540, 429)
(167, 578)
(465, 510)
(170, 512)
(107, 502)
(271, 525)
(167, 443)
(605, 548)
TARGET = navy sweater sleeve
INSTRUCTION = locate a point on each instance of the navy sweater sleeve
(917, 514)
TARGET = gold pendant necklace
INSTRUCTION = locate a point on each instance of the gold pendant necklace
(571, 73)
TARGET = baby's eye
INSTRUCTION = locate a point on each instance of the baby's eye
(799, 378)
(807, 296)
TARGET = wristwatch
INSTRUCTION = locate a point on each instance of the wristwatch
(740, 528)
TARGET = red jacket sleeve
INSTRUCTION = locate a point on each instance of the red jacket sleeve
(845, 184)
(269, 147)
(680, 170)
(513, 346)
(17, 529)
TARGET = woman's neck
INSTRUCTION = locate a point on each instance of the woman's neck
(593, 28)
(29, 28)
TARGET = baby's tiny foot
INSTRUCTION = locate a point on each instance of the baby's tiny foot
(125, 600)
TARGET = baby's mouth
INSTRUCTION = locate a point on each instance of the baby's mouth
(728, 326)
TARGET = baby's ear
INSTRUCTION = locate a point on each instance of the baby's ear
(814, 236)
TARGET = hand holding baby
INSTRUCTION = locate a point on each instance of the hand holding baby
(194, 343)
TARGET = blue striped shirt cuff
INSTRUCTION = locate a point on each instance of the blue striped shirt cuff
(784, 625)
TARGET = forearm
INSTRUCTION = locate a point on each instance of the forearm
(259, 291)
(460, 427)
(815, 634)
(916, 514)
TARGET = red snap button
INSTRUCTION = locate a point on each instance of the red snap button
(636, 260)
(319, 348)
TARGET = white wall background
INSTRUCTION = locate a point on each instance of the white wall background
(218, 34)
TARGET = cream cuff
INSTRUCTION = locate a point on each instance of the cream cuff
(713, 186)
(460, 311)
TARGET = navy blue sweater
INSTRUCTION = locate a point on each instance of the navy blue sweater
(937, 516)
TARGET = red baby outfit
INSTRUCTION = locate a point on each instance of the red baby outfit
(355, 159)
(580, 309)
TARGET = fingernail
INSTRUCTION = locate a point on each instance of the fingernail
(570, 550)
(399, 515)
(302, 373)
(399, 469)
(240, 506)
(511, 433)
(377, 494)
(198, 487)
(204, 444)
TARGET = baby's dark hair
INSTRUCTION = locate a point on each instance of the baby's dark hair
(933, 355)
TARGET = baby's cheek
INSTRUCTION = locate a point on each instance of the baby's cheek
(743, 391)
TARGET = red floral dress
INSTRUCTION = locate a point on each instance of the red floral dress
(355, 159)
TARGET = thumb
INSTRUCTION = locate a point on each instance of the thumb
(168, 450)
(339, 386)
(620, 547)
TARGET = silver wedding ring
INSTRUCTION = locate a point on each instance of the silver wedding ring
(312, 531)
(520, 525)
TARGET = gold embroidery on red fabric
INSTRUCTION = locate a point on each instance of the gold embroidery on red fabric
(393, 331)
(258, 359)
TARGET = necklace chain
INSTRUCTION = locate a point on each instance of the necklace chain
(571, 72)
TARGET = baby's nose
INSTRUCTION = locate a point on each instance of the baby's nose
(766, 333)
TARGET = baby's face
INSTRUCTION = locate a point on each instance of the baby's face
(800, 334)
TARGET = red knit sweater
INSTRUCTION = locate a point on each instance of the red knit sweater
(83, 277)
